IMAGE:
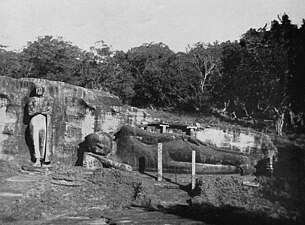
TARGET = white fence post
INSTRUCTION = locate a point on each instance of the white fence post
(159, 162)
(193, 169)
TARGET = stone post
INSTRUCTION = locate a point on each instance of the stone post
(159, 162)
(193, 169)
(164, 126)
(114, 147)
(191, 130)
(270, 166)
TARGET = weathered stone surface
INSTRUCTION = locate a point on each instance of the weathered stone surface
(233, 138)
(76, 112)
(91, 162)
(99, 143)
(110, 163)
(136, 145)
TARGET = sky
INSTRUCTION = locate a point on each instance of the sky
(124, 24)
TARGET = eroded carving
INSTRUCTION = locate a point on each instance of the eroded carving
(39, 110)
(135, 143)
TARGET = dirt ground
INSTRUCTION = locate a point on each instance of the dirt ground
(229, 200)
(107, 195)
(60, 191)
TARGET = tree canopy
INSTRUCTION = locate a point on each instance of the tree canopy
(259, 77)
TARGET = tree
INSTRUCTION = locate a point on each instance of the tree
(259, 80)
(182, 82)
(54, 59)
(147, 63)
(225, 94)
(108, 70)
(297, 75)
(206, 62)
(9, 63)
(120, 82)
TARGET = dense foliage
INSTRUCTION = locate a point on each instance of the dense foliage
(259, 77)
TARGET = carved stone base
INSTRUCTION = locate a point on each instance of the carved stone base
(91, 162)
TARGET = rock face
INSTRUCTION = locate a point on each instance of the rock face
(233, 138)
(76, 112)
(99, 116)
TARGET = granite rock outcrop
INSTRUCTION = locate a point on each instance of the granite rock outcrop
(76, 112)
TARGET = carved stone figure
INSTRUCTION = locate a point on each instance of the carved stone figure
(135, 144)
(99, 146)
(99, 143)
(39, 108)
